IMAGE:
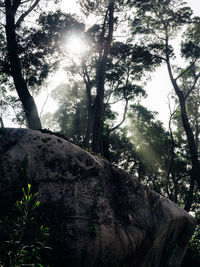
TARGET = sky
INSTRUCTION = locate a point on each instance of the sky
(157, 89)
(160, 86)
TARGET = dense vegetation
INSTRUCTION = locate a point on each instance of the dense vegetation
(123, 44)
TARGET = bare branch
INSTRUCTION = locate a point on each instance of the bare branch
(123, 119)
(2, 11)
(192, 88)
(117, 101)
(182, 73)
(126, 105)
(25, 1)
(47, 97)
(87, 81)
(26, 13)
(2, 124)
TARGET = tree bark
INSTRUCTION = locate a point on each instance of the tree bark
(99, 99)
(195, 173)
(27, 100)
(90, 111)
(90, 124)
(189, 198)
(171, 169)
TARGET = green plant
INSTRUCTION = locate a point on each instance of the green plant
(194, 245)
(23, 239)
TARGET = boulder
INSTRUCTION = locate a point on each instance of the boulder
(98, 214)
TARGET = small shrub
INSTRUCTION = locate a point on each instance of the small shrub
(23, 239)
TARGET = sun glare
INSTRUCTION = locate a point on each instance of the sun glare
(75, 45)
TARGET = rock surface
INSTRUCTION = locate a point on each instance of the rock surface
(98, 214)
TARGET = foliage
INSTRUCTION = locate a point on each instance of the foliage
(159, 158)
(194, 246)
(23, 239)
(39, 53)
(144, 147)
(71, 116)
(158, 22)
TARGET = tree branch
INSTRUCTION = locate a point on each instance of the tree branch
(182, 73)
(1, 121)
(123, 119)
(126, 105)
(26, 13)
(2, 24)
(25, 1)
(88, 84)
(192, 88)
(2, 11)
(47, 97)
(115, 102)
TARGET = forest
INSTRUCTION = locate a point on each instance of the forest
(107, 53)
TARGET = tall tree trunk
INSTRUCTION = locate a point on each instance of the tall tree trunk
(90, 123)
(101, 71)
(195, 172)
(27, 100)
(90, 110)
(189, 198)
(170, 167)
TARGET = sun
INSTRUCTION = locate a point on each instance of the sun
(75, 44)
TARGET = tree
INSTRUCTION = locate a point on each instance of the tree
(158, 22)
(71, 116)
(98, 67)
(157, 160)
(12, 23)
(37, 50)
(124, 78)
(104, 43)
(105, 10)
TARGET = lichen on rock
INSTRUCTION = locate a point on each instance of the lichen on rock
(98, 215)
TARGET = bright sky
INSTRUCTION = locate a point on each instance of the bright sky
(157, 89)
(160, 86)
(69, 6)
